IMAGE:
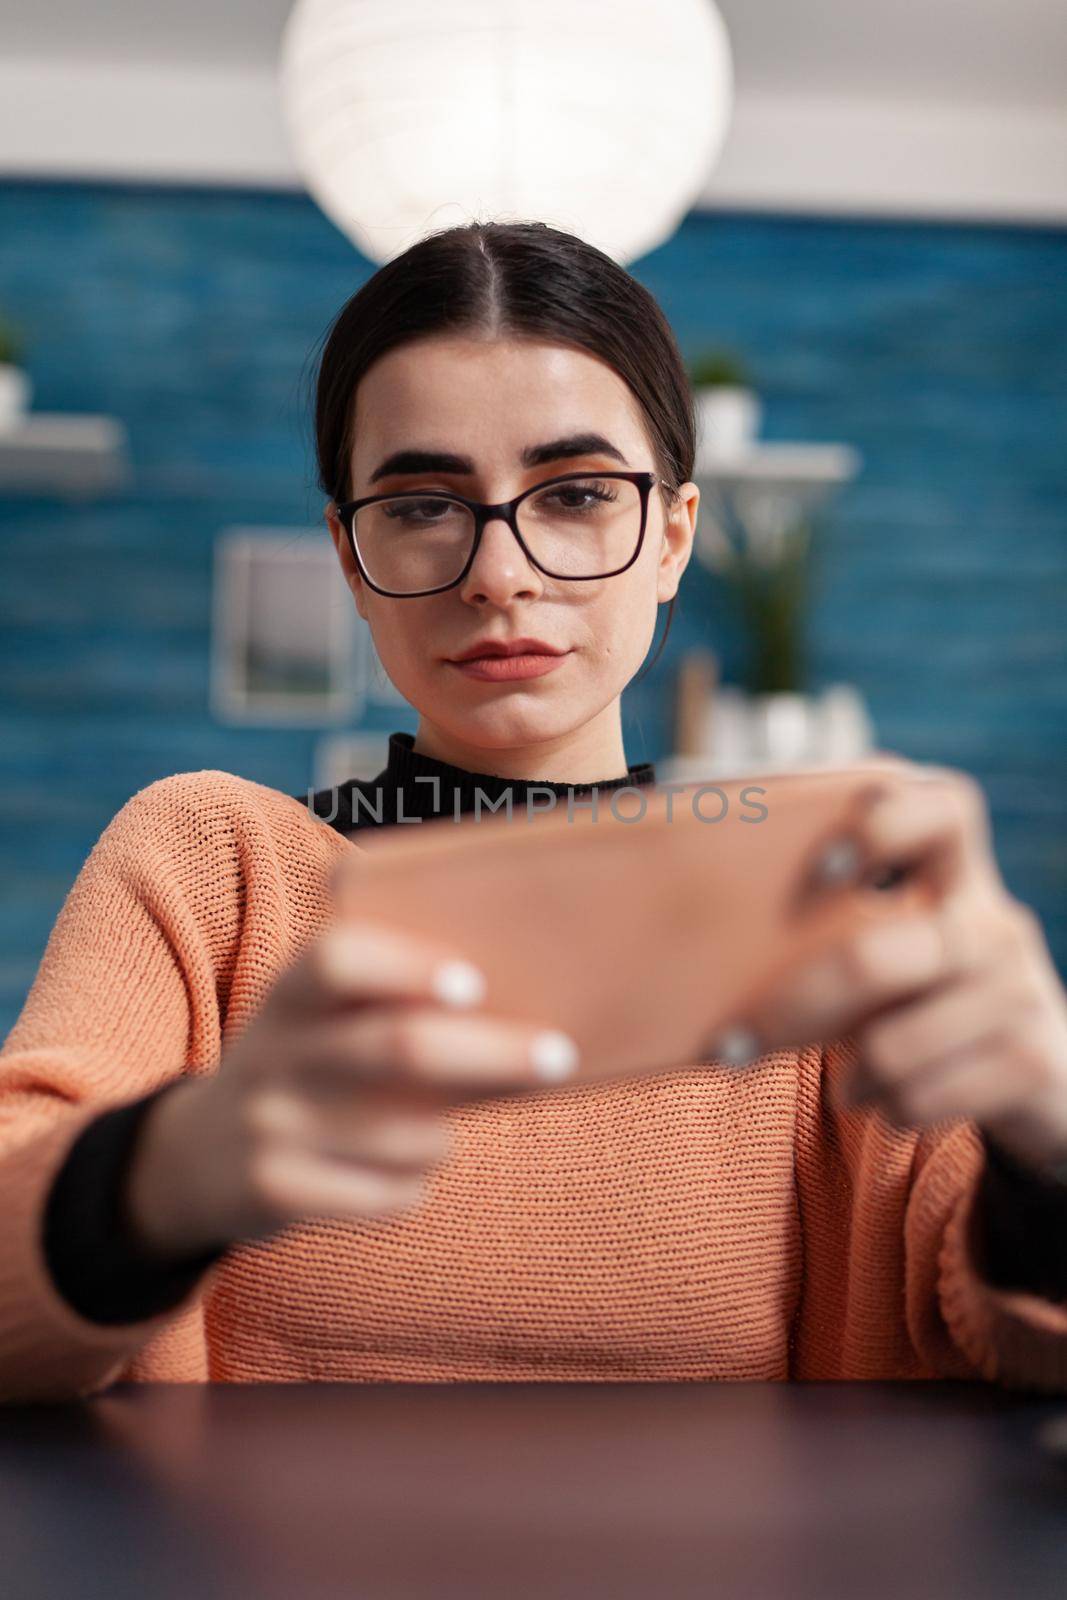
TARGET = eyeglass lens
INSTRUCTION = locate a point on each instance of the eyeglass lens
(584, 528)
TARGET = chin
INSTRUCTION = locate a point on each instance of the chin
(507, 726)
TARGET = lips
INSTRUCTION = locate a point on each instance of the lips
(511, 667)
(508, 647)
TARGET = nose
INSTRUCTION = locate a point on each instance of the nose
(501, 570)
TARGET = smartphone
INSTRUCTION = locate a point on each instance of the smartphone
(644, 923)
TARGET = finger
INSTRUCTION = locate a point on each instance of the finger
(884, 967)
(386, 1134)
(882, 761)
(363, 961)
(910, 1039)
(292, 1182)
(429, 1048)
(885, 964)
(969, 1082)
(830, 995)
(933, 820)
(963, 1084)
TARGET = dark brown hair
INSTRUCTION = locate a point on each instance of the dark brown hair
(512, 280)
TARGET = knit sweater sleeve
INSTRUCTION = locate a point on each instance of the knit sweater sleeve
(904, 1258)
(125, 999)
(92, 1251)
(1013, 1335)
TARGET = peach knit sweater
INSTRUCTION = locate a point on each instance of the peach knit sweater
(703, 1223)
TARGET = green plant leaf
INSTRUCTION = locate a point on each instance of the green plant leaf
(11, 344)
(773, 601)
(719, 369)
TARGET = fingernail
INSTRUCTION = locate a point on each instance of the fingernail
(553, 1055)
(839, 860)
(459, 983)
(737, 1045)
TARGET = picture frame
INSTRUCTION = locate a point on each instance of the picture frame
(286, 643)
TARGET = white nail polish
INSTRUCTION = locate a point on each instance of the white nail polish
(459, 983)
(839, 860)
(737, 1045)
(553, 1055)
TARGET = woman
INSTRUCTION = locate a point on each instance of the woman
(247, 1136)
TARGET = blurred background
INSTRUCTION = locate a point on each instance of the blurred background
(854, 215)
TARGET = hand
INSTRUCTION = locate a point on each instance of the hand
(330, 1101)
(958, 1012)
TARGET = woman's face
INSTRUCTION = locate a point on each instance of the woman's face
(488, 401)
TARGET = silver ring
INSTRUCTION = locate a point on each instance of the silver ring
(737, 1044)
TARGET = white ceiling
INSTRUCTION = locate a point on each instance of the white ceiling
(946, 108)
(971, 52)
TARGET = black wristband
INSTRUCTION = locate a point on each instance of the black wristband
(1021, 1222)
(95, 1262)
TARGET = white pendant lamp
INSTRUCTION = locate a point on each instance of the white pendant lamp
(602, 117)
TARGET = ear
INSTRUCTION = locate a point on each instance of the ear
(678, 531)
(343, 545)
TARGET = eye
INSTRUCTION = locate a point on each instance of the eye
(417, 513)
(579, 497)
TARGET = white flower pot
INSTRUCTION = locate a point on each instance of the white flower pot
(783, 732)
(15, 392)
(728, 419)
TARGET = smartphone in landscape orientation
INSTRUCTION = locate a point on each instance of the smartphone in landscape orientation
(643, 926)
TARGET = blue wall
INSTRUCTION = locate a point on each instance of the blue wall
(936, 349)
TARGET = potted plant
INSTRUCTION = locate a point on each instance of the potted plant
(728, 409)
(770, 580)
(774, 719)
(15, 386)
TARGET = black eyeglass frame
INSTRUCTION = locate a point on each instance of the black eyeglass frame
(485, 513)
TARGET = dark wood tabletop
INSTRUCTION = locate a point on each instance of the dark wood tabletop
(810, 1491)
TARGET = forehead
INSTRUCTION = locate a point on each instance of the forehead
(489, 398)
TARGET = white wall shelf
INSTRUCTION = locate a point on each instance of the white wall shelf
(801, 468)
(63, 454)
(759, 492)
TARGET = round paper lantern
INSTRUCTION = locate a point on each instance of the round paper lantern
(602, 117)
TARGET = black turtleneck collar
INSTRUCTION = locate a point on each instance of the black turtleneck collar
(415, 786)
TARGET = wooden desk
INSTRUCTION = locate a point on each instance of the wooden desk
(806, 1491)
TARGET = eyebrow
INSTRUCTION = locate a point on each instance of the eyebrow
(535, 455)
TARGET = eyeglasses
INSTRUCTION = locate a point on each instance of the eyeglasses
(576, 527)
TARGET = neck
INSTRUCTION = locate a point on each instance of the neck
(414, 786)
(585, 755)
